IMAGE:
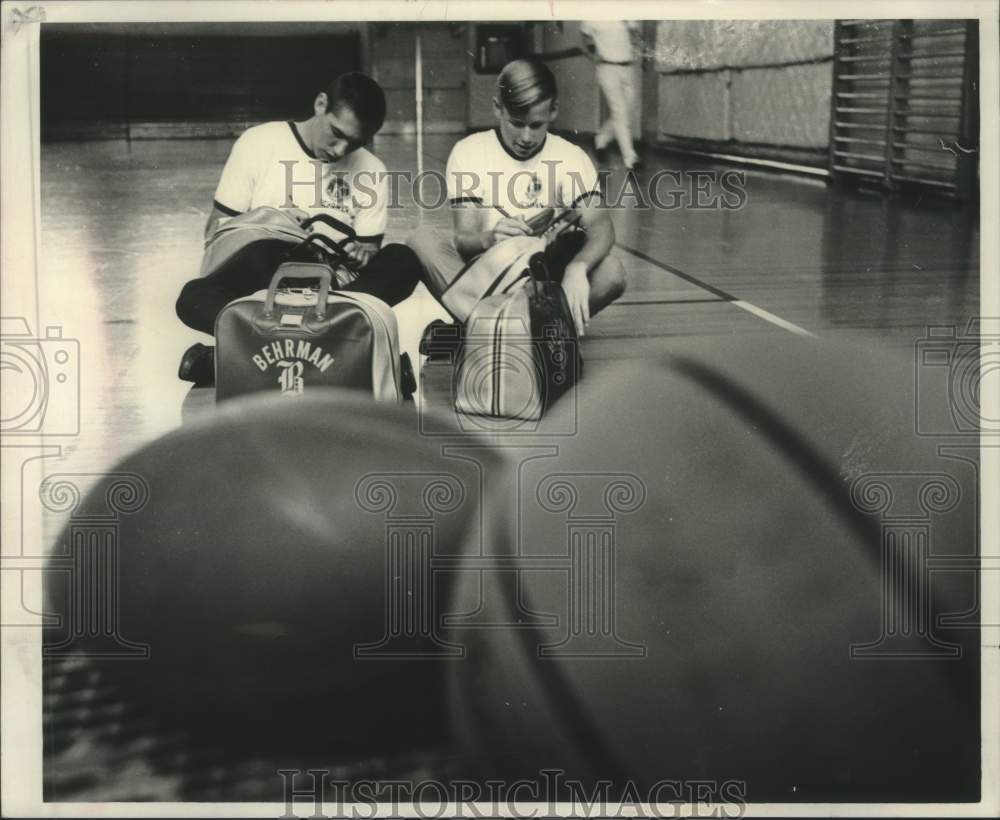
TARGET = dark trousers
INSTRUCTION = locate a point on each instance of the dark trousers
(391, 275)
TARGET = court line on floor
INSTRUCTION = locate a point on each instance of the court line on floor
(749, 307)
(774, 320)
(670, 302)
(728, 297)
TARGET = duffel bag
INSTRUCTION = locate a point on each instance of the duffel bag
(292, 341)
(520, 351)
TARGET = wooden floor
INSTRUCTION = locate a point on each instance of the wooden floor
(122, 232)
(122, 227)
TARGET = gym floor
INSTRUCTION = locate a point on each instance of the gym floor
(122, 231)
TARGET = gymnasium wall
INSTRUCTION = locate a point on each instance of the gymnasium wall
(482, 82)
(392, 60)
(745, 87)
(752, 88)
(186, 80)
(579, 97)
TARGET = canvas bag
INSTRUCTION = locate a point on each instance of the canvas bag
(521, 351)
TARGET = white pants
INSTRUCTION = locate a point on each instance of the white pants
(615, 82)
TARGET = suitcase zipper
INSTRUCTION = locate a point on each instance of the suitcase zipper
(497, 339)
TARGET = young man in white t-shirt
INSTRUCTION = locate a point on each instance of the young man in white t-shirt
(499, 179)
(316, 166)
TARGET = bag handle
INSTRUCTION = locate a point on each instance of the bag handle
(570, 216)
(331, 221)
(539, 268)
(325, 276)
(336, 248)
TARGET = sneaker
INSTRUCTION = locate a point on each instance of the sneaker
(441, 341)
(198, 365)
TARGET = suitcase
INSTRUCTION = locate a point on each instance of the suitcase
(293, 341)
(520, 352)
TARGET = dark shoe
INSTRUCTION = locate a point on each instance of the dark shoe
(635, 167)
(198, 365)
(602, 154)
(441, 340)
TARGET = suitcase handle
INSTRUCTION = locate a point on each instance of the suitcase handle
(539, 268)
(325, 277)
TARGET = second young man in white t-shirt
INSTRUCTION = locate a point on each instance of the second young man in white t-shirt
(499, 179)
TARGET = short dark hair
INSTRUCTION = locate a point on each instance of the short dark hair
(524, 83)
(362, 95)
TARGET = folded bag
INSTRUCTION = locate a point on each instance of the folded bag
(501, 266)
(521, 351)
(266, 231)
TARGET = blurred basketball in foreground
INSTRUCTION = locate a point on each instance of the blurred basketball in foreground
(697, 586)
(727, 607)
(278, 575)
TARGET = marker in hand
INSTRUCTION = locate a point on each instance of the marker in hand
(508, 226)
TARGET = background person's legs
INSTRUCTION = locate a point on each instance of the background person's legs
(616, 85)
(605, 134)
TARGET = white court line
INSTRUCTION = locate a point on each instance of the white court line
(775, 320)
(749, 307)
